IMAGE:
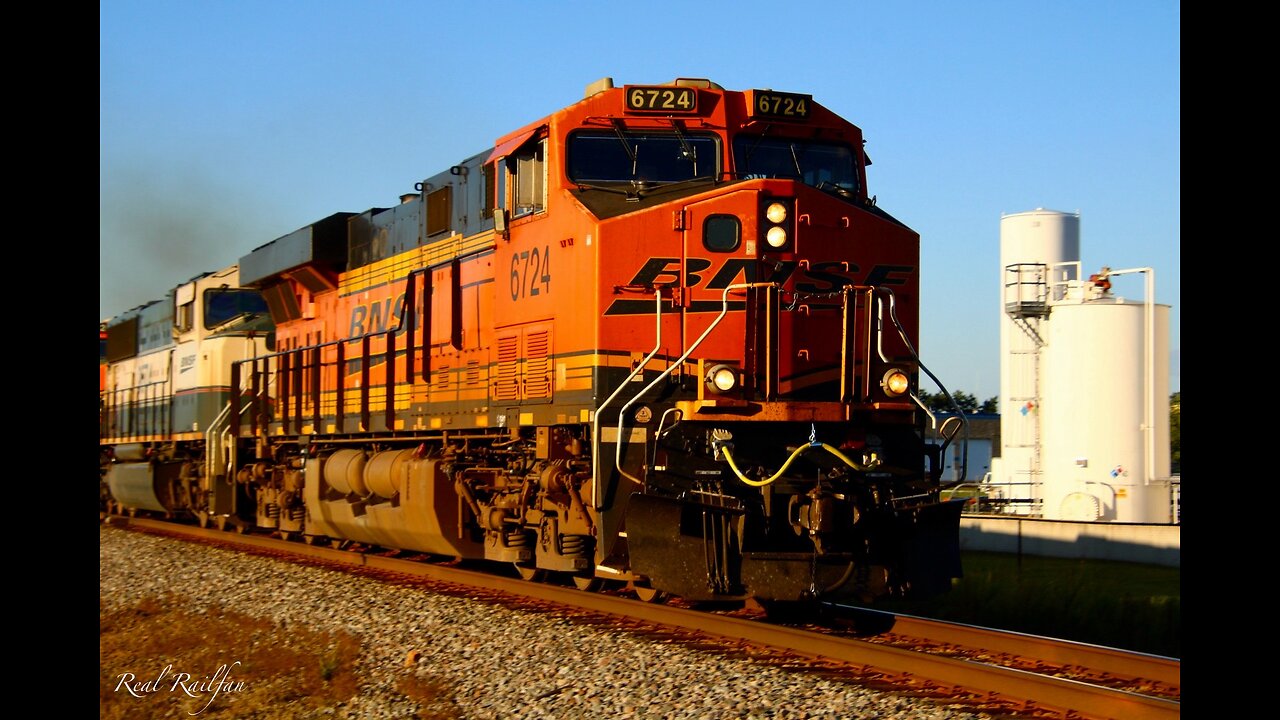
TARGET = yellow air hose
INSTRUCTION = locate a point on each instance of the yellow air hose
(872, 463)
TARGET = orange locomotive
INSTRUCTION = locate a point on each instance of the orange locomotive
(661, 336)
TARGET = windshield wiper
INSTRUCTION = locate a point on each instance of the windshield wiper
(622, 138)
(633, 192)
(663, 187)
(235, 319)
(689, 151)
(746, 156)
(796, 159)
(836, 189)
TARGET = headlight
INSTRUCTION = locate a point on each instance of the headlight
(777, 237)
(895, 383)
(776, 212)
(777, 224)
(722, 378)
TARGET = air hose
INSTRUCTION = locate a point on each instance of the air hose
(724, 448)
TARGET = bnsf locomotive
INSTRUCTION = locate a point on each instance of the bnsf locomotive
(661, 336)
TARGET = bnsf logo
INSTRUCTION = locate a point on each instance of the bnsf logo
(376, 317)
(817, 278)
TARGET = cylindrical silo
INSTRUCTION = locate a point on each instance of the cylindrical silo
(1037, 249)
(1105, 418)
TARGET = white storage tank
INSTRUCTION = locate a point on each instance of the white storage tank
(1032, 246)
(1105, 410)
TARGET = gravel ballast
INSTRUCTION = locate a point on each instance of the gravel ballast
(484, 660)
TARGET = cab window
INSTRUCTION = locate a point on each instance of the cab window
(530, 179)
(222, 305)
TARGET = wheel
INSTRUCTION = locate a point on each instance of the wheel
(587, 583)
(339, 544)
(286, 535)
(202, 519)
(313, 539)
(530, 573)
(650, 595)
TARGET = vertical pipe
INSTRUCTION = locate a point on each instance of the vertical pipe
(389, 414)
(340, 396)
(1149, 370)
(234, 420)
(751, 344)
(1149, 386)
(315, 389)
(255, 399)
(297, 389)
(846, 350)
(426, 332)
(411, 307)
(456, 304)
(364, 383)
(771, 350)
(870, 329)
(282, 389)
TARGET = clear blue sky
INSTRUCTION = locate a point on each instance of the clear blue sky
(224, 125)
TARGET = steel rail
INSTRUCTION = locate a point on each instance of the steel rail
(1097, 658)
(997, 683)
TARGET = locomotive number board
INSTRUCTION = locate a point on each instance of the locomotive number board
(664, 99)
(766, 103)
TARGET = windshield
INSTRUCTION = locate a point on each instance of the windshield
(649, 157)
(223, 305)
(814, 163)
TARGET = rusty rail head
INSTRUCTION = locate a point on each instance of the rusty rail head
(1119, 663)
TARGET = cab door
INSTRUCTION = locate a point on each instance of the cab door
(720, 250)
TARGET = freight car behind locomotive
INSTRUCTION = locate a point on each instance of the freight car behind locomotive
(661, 336)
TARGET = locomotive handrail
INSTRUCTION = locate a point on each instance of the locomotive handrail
(595, 418)
(902, 333)
(212, 448)
(142, 409)
(224, 436)
(724, 310)
(299, 401)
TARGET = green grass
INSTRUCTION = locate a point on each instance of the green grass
(1125, 605)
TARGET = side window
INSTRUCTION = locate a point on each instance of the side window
(722, 233)
(184, 316)
(439, 209)
(184, 308)
(530, 183)
(490, 188)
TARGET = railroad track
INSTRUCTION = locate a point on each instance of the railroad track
(1140, 673)
(1008, 674)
